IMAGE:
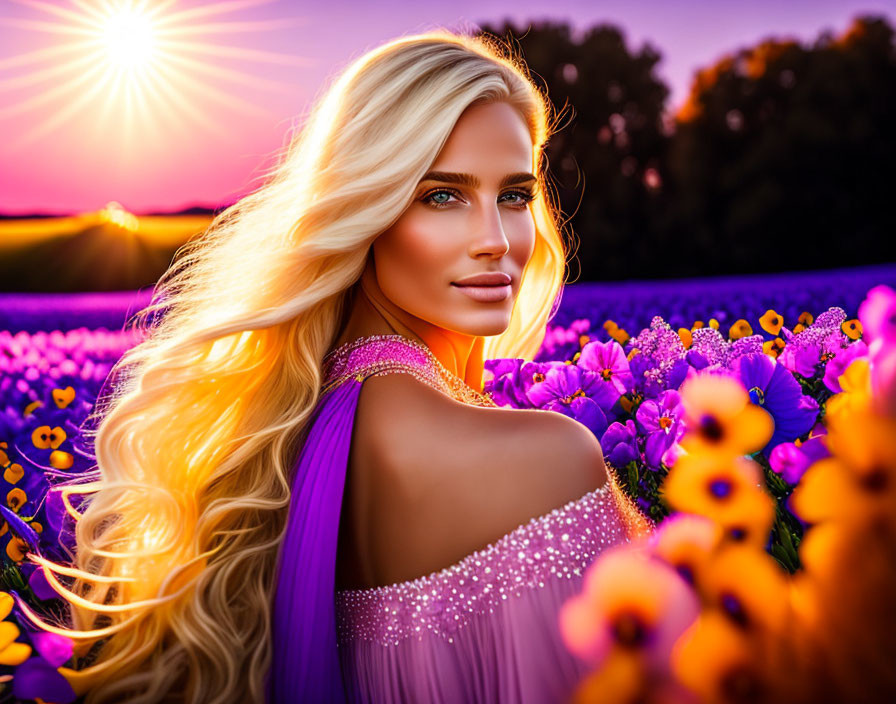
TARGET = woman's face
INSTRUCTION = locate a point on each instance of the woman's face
(470, 216)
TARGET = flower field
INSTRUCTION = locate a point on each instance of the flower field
(753, 419)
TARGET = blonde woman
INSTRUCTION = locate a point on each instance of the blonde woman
(301, 493)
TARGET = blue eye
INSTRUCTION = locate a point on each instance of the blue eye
(523, 196)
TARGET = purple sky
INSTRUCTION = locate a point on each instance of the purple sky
(202, 132)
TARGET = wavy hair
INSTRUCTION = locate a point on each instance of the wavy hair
(177, 527)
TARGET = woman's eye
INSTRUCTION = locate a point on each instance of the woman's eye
(441, 198)
(524, 197)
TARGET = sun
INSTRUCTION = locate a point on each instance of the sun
(138, 63)
(129, 36)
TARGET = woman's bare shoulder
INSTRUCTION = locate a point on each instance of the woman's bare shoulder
(447, 479)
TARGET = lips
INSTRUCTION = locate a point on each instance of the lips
(490, 278)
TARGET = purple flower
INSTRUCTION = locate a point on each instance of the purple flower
(576, 393)
(792, 461)
(620, 443)
(821, 340)
(502, 382)
(660, 421)
(607, 360)
(38, 678)
(878, 315)
(773, 388)
(842, 358)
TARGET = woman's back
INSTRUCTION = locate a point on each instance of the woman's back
(431, 480)
(481, 625)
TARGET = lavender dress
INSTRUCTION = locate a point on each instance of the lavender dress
(482, 630)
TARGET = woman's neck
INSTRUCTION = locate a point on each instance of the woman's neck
(373, 314)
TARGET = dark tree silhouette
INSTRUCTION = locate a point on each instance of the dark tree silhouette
(606, 158)
(783, 156)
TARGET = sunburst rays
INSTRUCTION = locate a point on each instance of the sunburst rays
(147, 66)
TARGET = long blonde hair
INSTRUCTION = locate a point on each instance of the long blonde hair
(180, 522)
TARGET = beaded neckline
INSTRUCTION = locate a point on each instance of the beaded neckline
(431, 371)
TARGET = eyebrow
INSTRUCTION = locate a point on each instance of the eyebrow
(473, 182)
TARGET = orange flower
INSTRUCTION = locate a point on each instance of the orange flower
(773, 348)
(686, 337)
(748, 588)
(715, 661)
(685, 542)
(719, 416)
(852, 328)
(806, 318)
(620, 335)
(697, 325)
(856, 395)
(859, 482)
(630, 603)
(771, 322)
(799, 327)
(610, 325)
(724, 489)
(740, 329)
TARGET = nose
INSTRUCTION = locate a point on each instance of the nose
(489, 237)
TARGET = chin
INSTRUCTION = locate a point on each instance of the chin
(486, 324)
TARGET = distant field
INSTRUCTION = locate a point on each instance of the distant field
(631, 304)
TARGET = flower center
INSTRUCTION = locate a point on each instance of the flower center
(665, 423)
(757, 396)
(720, 488)
(629, 630)
(710, 428)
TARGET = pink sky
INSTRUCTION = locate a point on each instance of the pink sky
(71, 144)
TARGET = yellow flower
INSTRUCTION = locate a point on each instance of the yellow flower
(6, 604)
(713, 323)
(719, 416)
(686, 337)
(773, 348)
(12, 653)
(740, 329)
(61, 460)
(852, 328)
(771, 322)
(725, 490)
(806, 318)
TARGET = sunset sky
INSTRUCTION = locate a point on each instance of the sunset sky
(186, 108)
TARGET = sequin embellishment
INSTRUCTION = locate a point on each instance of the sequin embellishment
(560, 544)
(375, 355)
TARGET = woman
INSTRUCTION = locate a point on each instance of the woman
(208, 554)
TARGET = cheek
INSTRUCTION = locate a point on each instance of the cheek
(522, 242)
(415, 256)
